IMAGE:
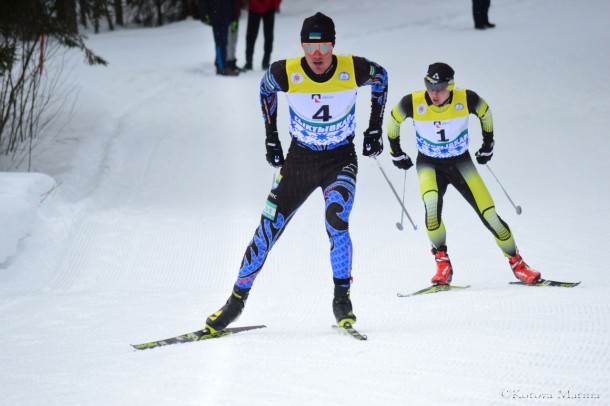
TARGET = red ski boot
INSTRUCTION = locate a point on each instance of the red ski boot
(522, 271)
(444, 270)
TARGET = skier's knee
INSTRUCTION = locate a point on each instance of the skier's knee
(339, 201)
(431, 204)
(495, 224)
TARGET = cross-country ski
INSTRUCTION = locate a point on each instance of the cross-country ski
(433, 289)
(199, 335)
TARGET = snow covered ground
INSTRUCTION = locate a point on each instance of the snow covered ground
(161, 181)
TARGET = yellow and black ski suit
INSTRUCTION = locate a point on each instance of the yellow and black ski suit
(443, 159)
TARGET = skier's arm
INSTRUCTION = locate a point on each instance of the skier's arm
(478, 106)
(400, 112)
(274, 81)
(369, 73)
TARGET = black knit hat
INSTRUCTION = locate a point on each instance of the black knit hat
(439, 72)
(318, 28)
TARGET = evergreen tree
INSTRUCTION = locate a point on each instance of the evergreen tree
(27, 27)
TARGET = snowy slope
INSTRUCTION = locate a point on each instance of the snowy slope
(163, 180)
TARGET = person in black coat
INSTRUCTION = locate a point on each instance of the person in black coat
(480, 8)
(260, 10)
(219, 14)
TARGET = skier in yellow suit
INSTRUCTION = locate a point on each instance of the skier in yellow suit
(440, 116)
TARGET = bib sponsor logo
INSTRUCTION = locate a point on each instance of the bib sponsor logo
(346, 178)
(270, 210)
(459, 106)
(320, 98)
(296, 77)
(421, 109)
(343, 76)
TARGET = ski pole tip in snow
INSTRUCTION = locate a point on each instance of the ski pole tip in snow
(518, 208)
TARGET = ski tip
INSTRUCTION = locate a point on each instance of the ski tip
(245, 328)
(143, 346)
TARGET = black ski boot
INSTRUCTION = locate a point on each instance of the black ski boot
(342, 306)
(229, 312)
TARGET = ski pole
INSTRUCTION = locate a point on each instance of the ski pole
(517, 208)
(402, 213)
(395, 194)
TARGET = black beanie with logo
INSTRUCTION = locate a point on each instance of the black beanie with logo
(318, 28)
(439, 72)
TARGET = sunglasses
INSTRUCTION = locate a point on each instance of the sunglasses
(323, 48)
(436, 87)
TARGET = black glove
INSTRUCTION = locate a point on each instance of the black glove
(275, 155)
(484, 154)
(401, 160)
(373, 144)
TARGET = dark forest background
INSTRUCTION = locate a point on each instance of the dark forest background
(34, 33)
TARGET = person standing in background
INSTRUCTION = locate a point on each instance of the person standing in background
(480, 8)
(232, 36)
(218, 14)
(260, 10)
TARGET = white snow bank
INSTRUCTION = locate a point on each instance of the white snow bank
(21, 195)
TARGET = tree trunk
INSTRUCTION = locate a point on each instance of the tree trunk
(159, 12)
(108, 16)
(118, 13)
(66, 12)
(83, 8)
